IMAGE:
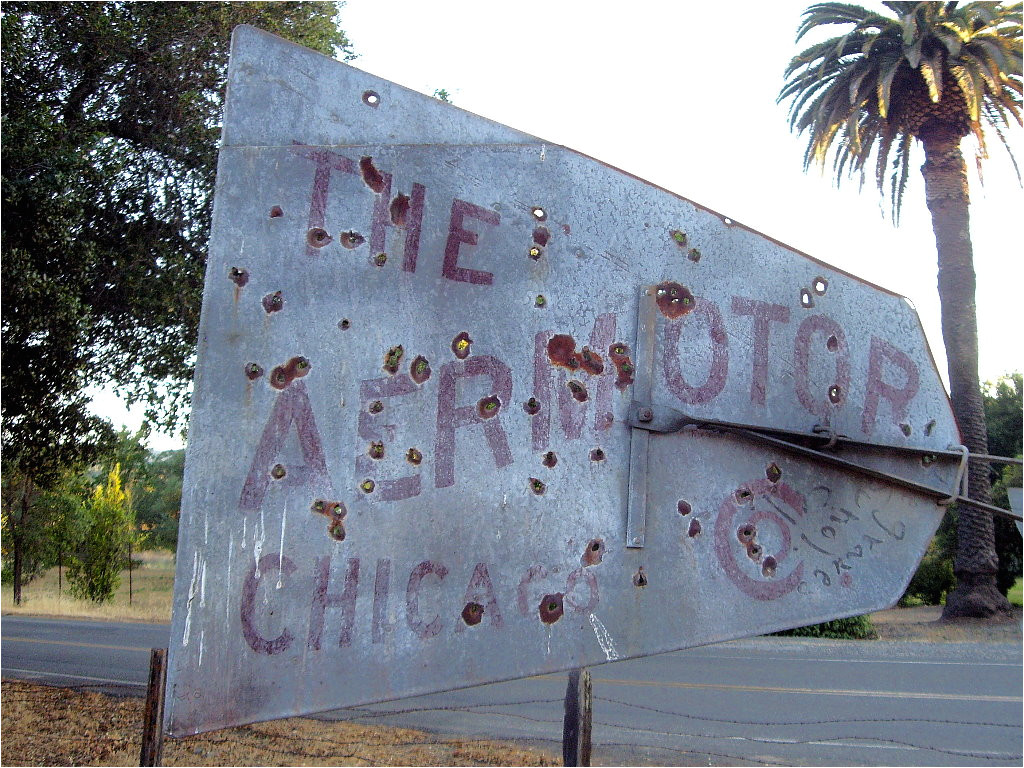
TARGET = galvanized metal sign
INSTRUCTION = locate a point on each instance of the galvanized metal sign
(471, 407)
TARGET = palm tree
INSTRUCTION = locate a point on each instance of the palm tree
(935, 73)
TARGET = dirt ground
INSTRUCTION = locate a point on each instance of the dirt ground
(55, 726)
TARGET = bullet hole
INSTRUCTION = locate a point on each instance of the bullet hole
(488, 406)
(283, 375)
(820, 285)
(549, 460)
(579, 392)
(806, 300)
(371, 176)
(768, 566)
(743, 495)
(746, 533)
(536, 252)
(928, 459)
(414, 457)
(273, 302)
(773, 473)
(335, 513)
(727, 221)
(694, 255)
(317, 237)
(376, 406)
(472, 614)
(929, 427)
(461, 345)
(832, 344)
(419, 370)
(399, 209)
(376, 450)
(541, 235)
(278, 471)
(619, 354)
(640, 578)
(593, 553)
(905, 429)
(393, 358)
(562, 351)
(679, 237)
(537, 486)
(835, 393)
(694, 530)
(367, 486)
(351, 239)
(380, 260)
(673, 299)
(754, 551)
(597, 455)
(344, 324)
(540, 301)
(253, 371)
(371, 99)
(550, 608)
(276, 212)
(532, 406)
(539, 213)
(238, 276)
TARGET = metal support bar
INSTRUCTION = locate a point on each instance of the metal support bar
(153, 716)
(578, 719)
(636, 501)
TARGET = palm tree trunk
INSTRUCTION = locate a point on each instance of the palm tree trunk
(975, 563)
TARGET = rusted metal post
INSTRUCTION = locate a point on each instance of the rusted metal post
(577, 724)
(129, 572)
(153, 718)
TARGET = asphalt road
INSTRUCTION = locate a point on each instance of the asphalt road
(766, 700)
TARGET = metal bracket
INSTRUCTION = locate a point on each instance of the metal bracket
(639, 444)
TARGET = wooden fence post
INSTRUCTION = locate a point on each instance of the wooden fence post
(153, 718)
(577, 724)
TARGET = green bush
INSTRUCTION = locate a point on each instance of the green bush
(853, 628)
(934, 577)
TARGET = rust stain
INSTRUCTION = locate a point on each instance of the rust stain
(541, 235)
(619, 355)
(413, 456)
(253, 371)
(376, 450)
(273, 302)
(694, 530)
(371, 176)
(532, 406)
(597, 455)
(550, 608)
(351, 239)
(419, 370)
(283, 375)
(472, 613)
(683, 507)
(317, 237)
(239, 276)
(488, 406)
(537, 486)
(276, 212)
(593, 553)
(376, 406)
(579, 392)
(550, 459)
(399, 209)
(335, 513)
(461, 345)
(562, 352)
(392, 359)
(640, 578)
(673, 299)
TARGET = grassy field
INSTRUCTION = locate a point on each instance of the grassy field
(152, 584)
(1016, 593)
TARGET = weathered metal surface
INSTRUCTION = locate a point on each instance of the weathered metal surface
(409, 457)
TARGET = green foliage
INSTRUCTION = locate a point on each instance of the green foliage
(933, 579)
(157, 494)
(852, 628)
(100, 535)
(1004, 412)
(443, 95)
(866, 94)
(111, 115)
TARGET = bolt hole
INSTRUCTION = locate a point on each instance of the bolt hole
(371, 99)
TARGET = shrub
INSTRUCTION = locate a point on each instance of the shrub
(852, 628)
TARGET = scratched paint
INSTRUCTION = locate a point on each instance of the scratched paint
(459, 407)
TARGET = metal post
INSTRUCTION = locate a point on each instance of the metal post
(577, 724)
(130, 571)
(153, 718)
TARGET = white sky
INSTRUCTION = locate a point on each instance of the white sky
(683, 95)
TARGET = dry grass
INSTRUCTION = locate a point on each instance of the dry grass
(152, 587)
(55, 726)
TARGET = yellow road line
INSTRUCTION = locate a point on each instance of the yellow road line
(8, 639)
(815, 691)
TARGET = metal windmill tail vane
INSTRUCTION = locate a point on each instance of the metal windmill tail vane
(470, 406)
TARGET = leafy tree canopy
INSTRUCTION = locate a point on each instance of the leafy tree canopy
(111, 114)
